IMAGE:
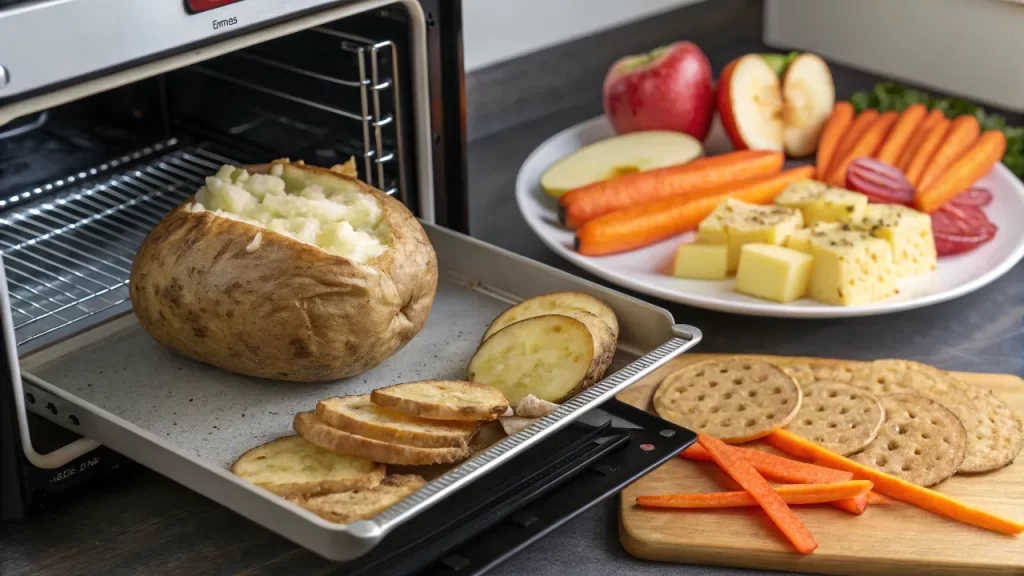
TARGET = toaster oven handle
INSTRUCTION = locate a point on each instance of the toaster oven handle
(62, 455)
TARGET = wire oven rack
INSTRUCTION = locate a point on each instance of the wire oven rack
(68, 256)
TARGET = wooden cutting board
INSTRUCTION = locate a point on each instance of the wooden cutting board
(890, 540)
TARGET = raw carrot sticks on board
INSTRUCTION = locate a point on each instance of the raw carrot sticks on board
(924, 153)
(901, 133)
(791, 494)
(832, 133)
(861, 123)
(894, 487)
(779, 469)
(919, 135)
(962, 174)
(642, 225)
(867, 145)
(744, 474)
(584, 204)
(963, 133)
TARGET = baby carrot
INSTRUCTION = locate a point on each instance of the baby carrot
(744, 474)
(857, 128)
(583, 204)
(838, 123)
(894, 487)
(963, 133)
(924, 153)
(639, 226)
(866, 146)
(967, 170)
(901, 133)
(790, 493)
(919, 135)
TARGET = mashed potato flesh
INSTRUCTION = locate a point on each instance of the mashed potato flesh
(340, 219)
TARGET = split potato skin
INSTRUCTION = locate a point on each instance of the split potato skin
(284, 310)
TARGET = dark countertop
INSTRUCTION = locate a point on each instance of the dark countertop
(141, 523)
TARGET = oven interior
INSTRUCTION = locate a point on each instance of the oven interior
(82, 184)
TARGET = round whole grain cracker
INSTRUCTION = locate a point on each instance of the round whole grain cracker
(734, 400)
(833, 371)
(921, 441)
(839, 417)
(994, 435)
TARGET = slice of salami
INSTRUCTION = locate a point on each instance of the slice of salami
(880, 182)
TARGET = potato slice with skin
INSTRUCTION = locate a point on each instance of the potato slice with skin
(317, 432)
(451, 400)
(291, 466)
(358, 415)
(346, 507)
(554, 357)
(555, 303)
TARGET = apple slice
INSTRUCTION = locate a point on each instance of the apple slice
(633, 152)
(809, 95)
(750, 104)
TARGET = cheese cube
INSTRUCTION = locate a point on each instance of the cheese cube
(851, 268)
(820, 202)
(737, 223)
(773, 272)
(701, 261)
(800, 240)
(909, 234)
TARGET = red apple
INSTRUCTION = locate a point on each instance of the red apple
(669, 88)
(750, 104)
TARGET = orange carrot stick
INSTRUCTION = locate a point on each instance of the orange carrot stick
(744, 474)
(901, 133)
(642, 225)
(926, 151)
(874, 499)
(857, 128)
(779, 469)
(868, 144)
(894, 487)
(973, 165)
(584, 204)
(832, 133)
(791, 494)
(934, 117)
(963, 133)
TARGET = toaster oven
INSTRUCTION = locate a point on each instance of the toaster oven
(111, 115)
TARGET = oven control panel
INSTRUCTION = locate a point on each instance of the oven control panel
(197, 6)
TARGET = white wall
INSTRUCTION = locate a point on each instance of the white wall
(969, 47)
(499, 30)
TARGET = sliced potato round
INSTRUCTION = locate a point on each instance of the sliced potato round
(347, 507)
(317, 432)
(291, 466)
(443, 400)
(555, 303)
(554, 357)
(359, 415)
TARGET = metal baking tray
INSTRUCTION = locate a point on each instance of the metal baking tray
(188, 421)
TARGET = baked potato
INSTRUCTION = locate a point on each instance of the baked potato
(285, 271)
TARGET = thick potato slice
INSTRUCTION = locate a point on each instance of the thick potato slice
(317, 432)
(353, 505)
(291, 466)
(358, 415)
(443, 400)
(554, 357)
(555, 303)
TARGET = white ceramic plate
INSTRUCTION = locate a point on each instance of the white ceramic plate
(648, 270)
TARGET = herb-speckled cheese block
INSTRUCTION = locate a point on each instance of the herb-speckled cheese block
(851, 268)
(736, 223)
(819, 202)
(909, 234)
(800, 240)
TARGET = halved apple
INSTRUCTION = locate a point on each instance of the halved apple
(618, 155)
(809, 95)
(750, 104)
